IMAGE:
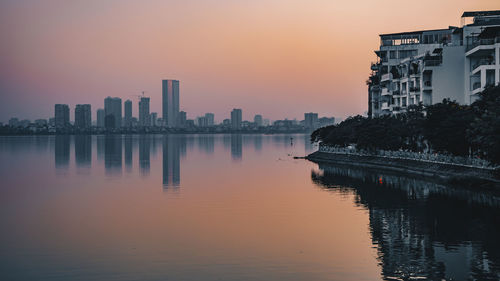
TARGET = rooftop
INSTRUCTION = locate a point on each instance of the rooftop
(481, 14)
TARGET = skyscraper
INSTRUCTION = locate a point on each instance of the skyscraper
(144, 120)
(128, 113)
(100, 117)
(210, 119)
(154, 119)
(83, 117)
(258, 120)
(182, 119)
(311, 120)
(113, 112)
(170, 102)
(236, 118)
(61, 115)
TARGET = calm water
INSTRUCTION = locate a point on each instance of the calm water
(228, 207)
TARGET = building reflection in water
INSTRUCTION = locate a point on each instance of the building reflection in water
(127, 145)
(113, 154)
(206, 143)
(144, 153)
(83, 150)
(257, 142)
(61, 151)
(172, 146)
(423, 229)
(236, 147)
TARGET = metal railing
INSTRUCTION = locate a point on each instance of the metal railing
(409, 155)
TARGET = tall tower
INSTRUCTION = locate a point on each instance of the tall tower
(113, 112)
(61, 115)
(170, 102)
(236, 118)
(144, 112)
(83, 117)
(128, 113)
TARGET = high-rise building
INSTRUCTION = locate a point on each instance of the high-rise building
(210, 119)
(426, 66)
(201, 121)
(311, 120)
(236, 118)
(128, 113)
(113, 112)
(144, 120)
(83, 117)
(170, 103)
(13, 122)
(182, 119)
(258, 120)
(61, 115)
(100, 117)
(153, 117)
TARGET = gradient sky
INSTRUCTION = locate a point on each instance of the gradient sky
(279, 58)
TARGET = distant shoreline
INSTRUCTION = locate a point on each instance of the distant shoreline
(440, 171)
(158, 133)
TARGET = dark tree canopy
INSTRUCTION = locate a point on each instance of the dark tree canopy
(445, 127)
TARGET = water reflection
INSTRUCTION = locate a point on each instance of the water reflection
(113, 154)
(423, 229)
(171, 160)
(127, 144)
(206, 143)
(144, 154)
(61, 151)
(236, 147)
(83, 150)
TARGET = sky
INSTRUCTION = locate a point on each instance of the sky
(278, 58)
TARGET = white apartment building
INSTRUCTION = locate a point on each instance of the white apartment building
(427, 66)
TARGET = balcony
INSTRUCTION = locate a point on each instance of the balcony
(485, 61)
(386, 77)
(414, 89)
(427, 85)
(385, 106)
(374, 66)
(471, 44)
(385, 92)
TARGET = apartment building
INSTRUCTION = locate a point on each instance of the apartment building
(427, 66)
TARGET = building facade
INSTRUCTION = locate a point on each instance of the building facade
(83, 116)
(258, 120)
(424, 67)
(61, 115)
(236, 119)
(311, 120)
(112, 112)
(170, 103)
(144, 120)
(100, 118)
(210, 117)
(127, 119)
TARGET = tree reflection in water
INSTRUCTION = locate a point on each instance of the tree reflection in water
(421, 228)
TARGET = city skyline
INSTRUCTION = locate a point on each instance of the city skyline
(256, 56)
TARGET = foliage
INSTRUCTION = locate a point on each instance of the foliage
(445, 127)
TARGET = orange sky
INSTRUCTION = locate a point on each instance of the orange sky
(275, 57)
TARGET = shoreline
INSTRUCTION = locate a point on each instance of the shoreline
(438, 171)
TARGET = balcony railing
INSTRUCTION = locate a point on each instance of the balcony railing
(386, 77)
(474, 42)
(432, 62)
(414, 89)
(482, 62)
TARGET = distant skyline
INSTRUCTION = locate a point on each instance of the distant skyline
(276, 58)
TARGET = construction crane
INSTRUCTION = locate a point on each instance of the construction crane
(140, 96)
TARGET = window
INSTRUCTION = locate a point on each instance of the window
(392, 55)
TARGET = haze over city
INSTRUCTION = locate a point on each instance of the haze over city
(275, 58)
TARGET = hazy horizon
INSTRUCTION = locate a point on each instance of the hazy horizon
(276, 58)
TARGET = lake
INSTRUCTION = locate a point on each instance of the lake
(229, 207)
